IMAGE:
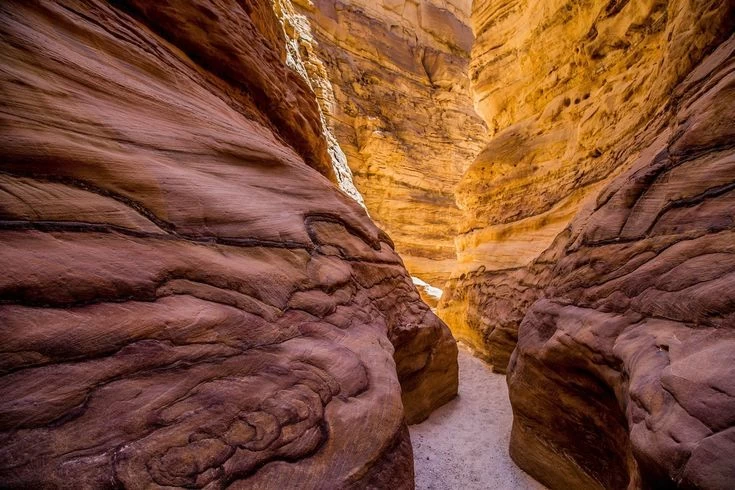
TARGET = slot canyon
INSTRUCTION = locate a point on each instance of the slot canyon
(380, 244)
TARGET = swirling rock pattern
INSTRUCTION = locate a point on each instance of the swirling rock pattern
(185, 300)
(573, 92)
(623, 376)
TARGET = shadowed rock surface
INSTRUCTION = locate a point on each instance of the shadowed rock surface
(185, 300)
(624, 373)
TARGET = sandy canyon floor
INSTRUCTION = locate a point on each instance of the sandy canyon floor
(464, 444)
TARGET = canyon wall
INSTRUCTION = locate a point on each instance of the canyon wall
(624, 373)
(573, 92)
(598, 238)
(392, 77)
(187, 300)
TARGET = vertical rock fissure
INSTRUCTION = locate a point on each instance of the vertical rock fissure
(392, 78)
(302, 59)
(574, 235)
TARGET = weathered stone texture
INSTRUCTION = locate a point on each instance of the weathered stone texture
(392, 76)
(185, 301)
(573, 93)
(624, 372)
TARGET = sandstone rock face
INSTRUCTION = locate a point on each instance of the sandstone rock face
(624, 372)
(573, 93)
(185, 300)
(484, 308)
(392, 77)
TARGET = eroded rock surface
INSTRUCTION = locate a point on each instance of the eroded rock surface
(184, 301)
(485, 308)
(392, 77)
(573, 94)
(624, 373)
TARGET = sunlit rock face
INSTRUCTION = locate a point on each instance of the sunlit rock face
(187, 299)
(624, 373)
(572, 93)
(392, 76)
(598, 238)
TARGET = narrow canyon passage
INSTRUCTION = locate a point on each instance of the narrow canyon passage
(244, 243)
(464, 444)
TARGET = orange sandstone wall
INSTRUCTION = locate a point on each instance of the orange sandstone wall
(573, 92)
(392, 76)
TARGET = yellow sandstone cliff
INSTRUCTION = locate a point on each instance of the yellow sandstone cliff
(392, 77)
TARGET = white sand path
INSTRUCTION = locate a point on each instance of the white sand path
(464, 444)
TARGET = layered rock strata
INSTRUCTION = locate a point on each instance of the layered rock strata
(624, 372)
(392, 77)
(573, 93)
(186, 301)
